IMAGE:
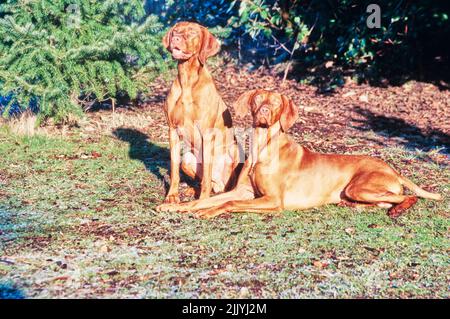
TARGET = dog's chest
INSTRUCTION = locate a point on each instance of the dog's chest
(181, 114)
(186, 127)
(262, 175)
(187, 114)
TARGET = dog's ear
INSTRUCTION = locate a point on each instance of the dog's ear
(210, 46)
(167, 37)
(289, 114)
(242, 105)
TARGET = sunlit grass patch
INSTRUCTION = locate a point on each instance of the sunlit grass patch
(77, 220)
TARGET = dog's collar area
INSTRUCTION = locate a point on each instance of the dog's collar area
(261, 138)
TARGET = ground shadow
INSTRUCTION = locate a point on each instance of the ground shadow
(153, 156)
(8, 291)
(328, 79)
(409, 135)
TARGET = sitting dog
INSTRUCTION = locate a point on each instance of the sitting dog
(197, 115)
(280, 174)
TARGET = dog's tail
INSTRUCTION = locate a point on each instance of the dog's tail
(416, 189)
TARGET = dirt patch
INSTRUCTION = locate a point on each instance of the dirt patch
(112, 232)
(96, 229)
(4, 177)
(38, 242)
(414, 115)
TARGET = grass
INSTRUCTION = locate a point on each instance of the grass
(77, 220)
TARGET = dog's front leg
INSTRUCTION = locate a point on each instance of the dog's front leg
(207, 157)
(175, 160)
(240, 192)
(263, 204)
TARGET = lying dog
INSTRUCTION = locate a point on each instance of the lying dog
(198, 116)
(281, 174)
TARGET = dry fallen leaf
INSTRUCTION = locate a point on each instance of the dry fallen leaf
(320, 264)
(244, 292)
(394, 275)
(350, 230)
(60, 278)
(348, 94)
(95, 154)
(364, 98)
(215, 272)
(105, 249)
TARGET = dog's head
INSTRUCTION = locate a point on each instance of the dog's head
(188, 39)
(267, 108)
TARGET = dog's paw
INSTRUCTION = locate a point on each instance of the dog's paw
(164, 208)
(174, 208)
(207, 213)
(172, 199)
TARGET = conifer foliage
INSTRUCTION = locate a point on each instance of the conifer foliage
(67, 54)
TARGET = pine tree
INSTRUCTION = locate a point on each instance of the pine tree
(67, 54)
